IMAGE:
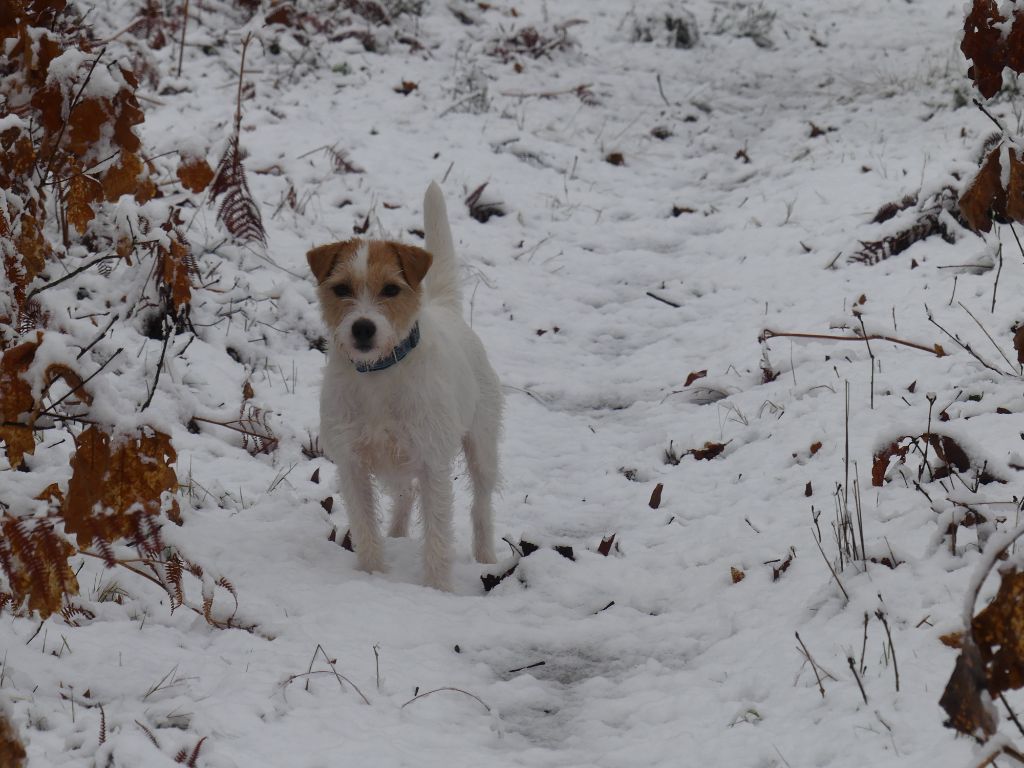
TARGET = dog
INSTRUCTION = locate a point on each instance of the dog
(407, 386)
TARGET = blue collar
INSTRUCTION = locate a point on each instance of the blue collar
(397, 354)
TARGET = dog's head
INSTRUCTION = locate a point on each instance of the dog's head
(370, 293)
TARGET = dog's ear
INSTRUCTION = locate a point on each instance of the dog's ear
(323, 258)
(414, 262)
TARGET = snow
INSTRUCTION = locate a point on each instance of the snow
(652, 656)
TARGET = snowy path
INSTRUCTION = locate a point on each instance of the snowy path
(651, 656)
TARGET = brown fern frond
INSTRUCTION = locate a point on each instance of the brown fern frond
(173, 573)
(189, 759)
(929, 222)
(238, 212)
(340, 161)
(72, 612)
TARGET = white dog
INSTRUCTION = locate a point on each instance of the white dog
(407, 385)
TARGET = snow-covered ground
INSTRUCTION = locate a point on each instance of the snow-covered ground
(748, 162)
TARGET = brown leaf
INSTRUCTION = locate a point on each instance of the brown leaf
(85, 124)
(122, 178)
(737, 575)
(82, 192)
(16, 400)
(1015, 187)
(195, 174)
(247, 391)
(985, 197)
(694, 376)
(952, 639)
(615, 158)
(655, 501)
(129, 115)
(983, 44)
(115, 485)
(962, 699)
(815, 447)
(605, 546)
(808, 491)
(52, 494)
(328, 504)
(176, 272)
(1018, 343)
(12, 751)
(708, 452)
(999, 633)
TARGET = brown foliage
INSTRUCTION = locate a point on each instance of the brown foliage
(12, 751)
(115, 486)
(195, 174)
(238, 211)
(34, 558)
(991, 660)
(946, 450)
(988, 48)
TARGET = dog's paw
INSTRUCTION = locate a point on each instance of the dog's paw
(440, 583)
(371, 564)
(484, 554)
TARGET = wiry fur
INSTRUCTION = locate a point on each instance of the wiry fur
(403, 427)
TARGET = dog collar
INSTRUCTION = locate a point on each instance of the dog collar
(397, 354)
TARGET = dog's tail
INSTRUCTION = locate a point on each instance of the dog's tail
(442, 281)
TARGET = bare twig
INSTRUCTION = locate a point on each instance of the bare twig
(768, 334)
(184, 27)
(52, 284)
(853, 668)
(446, 688)
(810, 659)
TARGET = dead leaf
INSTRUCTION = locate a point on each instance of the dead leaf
(85, 124)
(985, 198)
(116, 484)
(815, 447)
(16, 400)
(122, 178)
(604, 547)
(655, 501)
(737, 575)
(82, 192)
(1018, 343)
(195, 174)
(982, 44)
(807, 489)
(962, 699)
(694, 376)
(708, 452)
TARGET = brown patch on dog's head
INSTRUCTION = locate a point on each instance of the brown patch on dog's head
(369, 284)
(414, 261)
(323, 258)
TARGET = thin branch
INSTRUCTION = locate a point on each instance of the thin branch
(160, 364)
(814, 666)
(853, 668)
(985, 330)
(446, 688)
(49, 411)
(768, 334)
(69, 275)
(966, 347)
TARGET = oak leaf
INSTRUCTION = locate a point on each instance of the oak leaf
(195, 174)
(16, 400)
(985, 198)
(116, 485)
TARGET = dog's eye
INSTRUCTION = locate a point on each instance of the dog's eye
(342, 290)
(390, 290)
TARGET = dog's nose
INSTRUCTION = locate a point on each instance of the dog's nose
(362, 332)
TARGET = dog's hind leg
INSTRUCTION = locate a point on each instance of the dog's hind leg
(360, 504)
(401, 508)
(436, 500)
(481, 447)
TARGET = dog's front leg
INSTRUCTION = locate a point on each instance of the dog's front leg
(360, 503)
(436, 500)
